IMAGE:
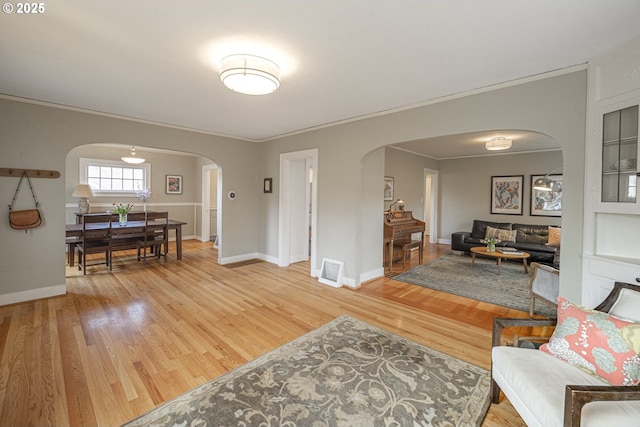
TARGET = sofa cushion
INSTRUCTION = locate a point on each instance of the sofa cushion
(527, 233)
(534, 382)
(500, 234)
(555, 233)
(592, 340)
(627, 305)
(479, 228)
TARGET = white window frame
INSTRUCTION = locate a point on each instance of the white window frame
(83, 175)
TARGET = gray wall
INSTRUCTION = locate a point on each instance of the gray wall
(465, 188)
(554, 106)
(407, 170)
(183, 207)
(40, 137)
(35, 136)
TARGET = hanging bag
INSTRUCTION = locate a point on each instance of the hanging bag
(25, 219)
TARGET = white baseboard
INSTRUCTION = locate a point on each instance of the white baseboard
(239, 258)
(373, 274)
(32, 294)
(444, 241)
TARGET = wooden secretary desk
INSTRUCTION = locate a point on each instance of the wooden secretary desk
(398, 228)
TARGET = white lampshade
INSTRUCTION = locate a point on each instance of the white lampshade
(83, 191)
(498, 144)
(248, 74)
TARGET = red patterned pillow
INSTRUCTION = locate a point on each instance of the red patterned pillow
(592, 341)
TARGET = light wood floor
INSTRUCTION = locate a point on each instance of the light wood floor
(121, 343)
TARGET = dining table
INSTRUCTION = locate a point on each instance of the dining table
(130, 228)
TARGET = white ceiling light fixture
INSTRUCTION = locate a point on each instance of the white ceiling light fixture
(495, 144)
(133, 159)
(249, 74)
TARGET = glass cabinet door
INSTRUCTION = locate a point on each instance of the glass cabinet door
(620, 155)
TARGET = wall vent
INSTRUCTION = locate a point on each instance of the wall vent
(331, 272)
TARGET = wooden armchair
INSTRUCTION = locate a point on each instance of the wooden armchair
(544, 285)
(512, 366)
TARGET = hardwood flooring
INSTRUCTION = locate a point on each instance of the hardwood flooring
(119, 344)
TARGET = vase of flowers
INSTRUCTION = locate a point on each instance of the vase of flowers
(122, 211)
(144, 195)
(491, 244)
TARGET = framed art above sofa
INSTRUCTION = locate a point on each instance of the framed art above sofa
(506, 194)
(547, 203)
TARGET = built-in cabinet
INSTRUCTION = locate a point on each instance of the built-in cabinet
(619, 155)
(612, 206)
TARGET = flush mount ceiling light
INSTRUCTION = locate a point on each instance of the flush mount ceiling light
(133, 159)
(248, 74)
(495, 144)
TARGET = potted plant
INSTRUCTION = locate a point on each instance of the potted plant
(491, 243)
(122, 211)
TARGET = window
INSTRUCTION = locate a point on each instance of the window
(107, 177)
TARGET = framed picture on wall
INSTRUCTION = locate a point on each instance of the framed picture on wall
(547, 203)
(506, 194)
(388, 188)
(174, 184)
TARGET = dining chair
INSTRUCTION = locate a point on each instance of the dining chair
(95, 239)
(155, 236)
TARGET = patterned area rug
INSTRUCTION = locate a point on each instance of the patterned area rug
(454, 274)
(346, 373)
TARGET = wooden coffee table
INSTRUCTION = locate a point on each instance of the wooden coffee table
(482, 250)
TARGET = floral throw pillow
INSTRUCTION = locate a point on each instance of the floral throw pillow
(592, 341)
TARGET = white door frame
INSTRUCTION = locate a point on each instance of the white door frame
(311, 157)
(433, 203)
(205, 235)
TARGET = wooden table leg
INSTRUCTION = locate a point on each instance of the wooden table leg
(499, 266)
(526, 269)
(473, 259)
(179, 242)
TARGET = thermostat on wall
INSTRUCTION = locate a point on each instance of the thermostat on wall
(231, 195)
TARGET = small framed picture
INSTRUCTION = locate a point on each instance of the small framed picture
(506, 194)
(268, 185)
(388, 188)
(174, 184)
(547, 203)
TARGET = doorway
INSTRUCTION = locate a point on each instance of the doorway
(431, 204)
(211, 214)
(297, 206)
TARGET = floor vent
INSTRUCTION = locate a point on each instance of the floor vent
(331, 272)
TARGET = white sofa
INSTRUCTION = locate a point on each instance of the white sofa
(549, 392)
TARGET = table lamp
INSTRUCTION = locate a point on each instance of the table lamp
(83, 191)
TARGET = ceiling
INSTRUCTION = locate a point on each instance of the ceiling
(158, 61)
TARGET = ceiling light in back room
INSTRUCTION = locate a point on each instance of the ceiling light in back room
(495, 144)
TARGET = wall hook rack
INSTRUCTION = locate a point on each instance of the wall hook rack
(31, 173)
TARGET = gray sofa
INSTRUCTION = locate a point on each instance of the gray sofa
(529, 238)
